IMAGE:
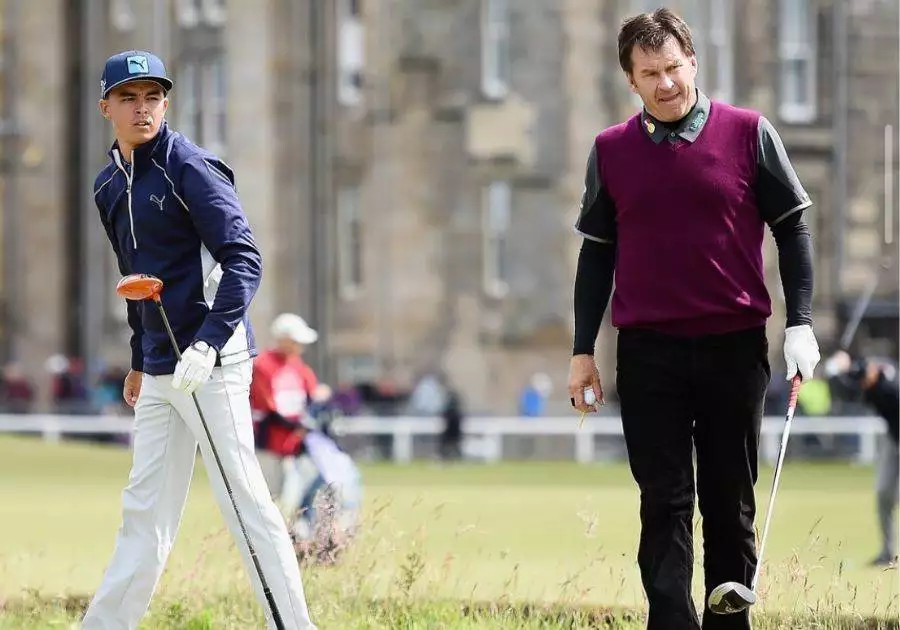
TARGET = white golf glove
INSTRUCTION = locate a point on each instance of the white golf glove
(801, 351)
(195, 367)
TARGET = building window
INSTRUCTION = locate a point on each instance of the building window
(191, 13)
(349, 242)
(351, 52)
(187, 13)
(495, 57)
(718, 54)
(201, 106)
(213, 12)
(121, 15)
(187, 105)
(797, 56)
(213, 117)
(497, 205)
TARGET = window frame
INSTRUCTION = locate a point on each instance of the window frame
(495, 48)
(797, 44)
(350, 241)
(496, 220)
(351, 52)
(122, 16)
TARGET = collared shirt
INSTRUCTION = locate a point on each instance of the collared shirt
(686, 210)
(689, 129)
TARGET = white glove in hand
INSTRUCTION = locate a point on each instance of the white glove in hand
(801, 351)
(195, 367)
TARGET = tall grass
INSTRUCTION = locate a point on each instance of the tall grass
(514, 545)
(367, 588)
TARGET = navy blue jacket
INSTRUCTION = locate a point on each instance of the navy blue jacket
(173, 212)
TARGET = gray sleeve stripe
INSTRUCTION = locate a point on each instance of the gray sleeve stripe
(797, 208)
(592, 238)
(103, 185)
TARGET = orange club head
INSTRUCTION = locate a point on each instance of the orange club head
(139, 286)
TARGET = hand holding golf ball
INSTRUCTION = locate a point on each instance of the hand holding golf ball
(585, 391)
(589, 399)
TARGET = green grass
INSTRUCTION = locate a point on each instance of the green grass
(538, 545)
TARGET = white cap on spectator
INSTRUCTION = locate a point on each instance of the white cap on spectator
(56, 364)
(293, 327)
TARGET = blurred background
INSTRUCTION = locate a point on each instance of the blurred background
(412, 170)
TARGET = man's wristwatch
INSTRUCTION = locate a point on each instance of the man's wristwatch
(201, 346)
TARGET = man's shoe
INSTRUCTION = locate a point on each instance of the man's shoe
(884, 560)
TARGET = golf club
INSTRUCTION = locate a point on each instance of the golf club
(145, 287)
(733, 597)
(860, 308)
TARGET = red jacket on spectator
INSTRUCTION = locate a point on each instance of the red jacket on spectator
(280, 392)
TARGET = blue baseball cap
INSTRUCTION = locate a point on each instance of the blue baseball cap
(133, 65)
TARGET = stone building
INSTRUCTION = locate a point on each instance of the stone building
(412, 168)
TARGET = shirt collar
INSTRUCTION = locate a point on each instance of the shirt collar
(143, 151)
(690, 128)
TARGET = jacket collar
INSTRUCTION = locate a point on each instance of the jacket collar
(689, 129)
(143, 152)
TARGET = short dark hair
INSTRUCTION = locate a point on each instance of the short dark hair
(650, 31)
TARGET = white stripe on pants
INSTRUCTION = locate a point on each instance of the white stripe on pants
(167, 432)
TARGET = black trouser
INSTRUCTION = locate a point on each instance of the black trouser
(678, 395)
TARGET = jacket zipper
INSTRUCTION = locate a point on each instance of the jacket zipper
(129, 179)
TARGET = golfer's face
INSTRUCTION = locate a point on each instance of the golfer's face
(664, 80)
(136, 111)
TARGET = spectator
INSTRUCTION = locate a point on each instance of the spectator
(347, 399)
(68, 389)
(451, 437)
(429, 396)
(322, 409)
(16, 391)
(877, 383)
(533, 400)
(107, 395)
(280, 396)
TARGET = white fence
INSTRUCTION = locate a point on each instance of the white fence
(483, 435)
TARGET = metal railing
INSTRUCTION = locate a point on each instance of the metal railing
(483, 436)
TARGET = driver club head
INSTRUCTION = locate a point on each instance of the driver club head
(730, 598)
(139, 286)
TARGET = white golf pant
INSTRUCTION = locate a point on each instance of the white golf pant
(167, 432)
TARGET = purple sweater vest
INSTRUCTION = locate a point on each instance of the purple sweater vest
(689, 256)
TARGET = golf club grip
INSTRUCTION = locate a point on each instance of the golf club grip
(794, 394)
(267, 592)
